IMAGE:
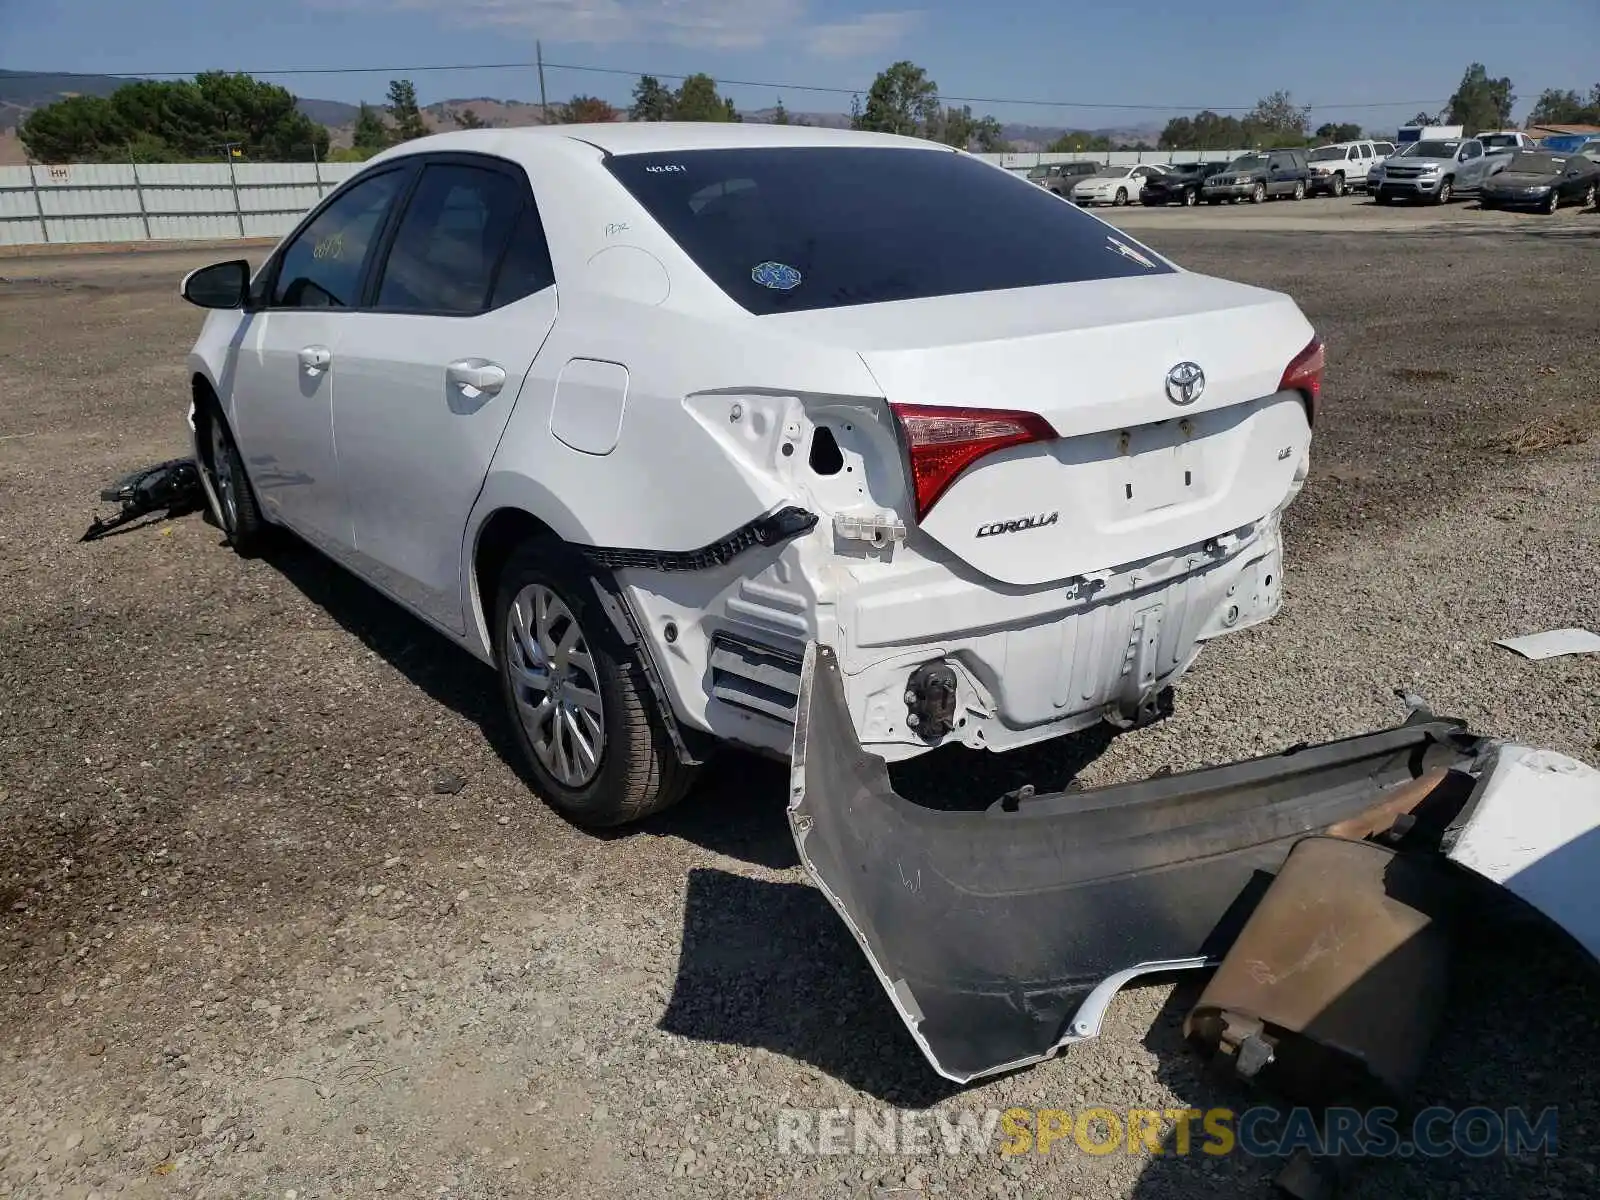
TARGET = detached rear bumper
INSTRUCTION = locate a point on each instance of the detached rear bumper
(1001, 935)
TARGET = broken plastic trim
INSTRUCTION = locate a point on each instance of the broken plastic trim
(788, 522)
(172, 486)
(1000, 936)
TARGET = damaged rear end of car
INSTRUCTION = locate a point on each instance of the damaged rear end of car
(1053, 467)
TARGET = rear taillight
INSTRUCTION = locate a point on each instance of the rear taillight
(1304, 375)
(943, 442)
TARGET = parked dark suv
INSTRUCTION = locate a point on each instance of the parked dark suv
(1059, 177)
(1178, 183)
(1260, 175)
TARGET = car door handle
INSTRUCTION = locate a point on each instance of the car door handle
(477, 374)
(315, 359)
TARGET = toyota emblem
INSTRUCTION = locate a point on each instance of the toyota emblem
(1186, 383)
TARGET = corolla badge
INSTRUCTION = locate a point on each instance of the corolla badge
(778, 276)
(1186, 383)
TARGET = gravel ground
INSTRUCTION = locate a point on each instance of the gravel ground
(256, 941)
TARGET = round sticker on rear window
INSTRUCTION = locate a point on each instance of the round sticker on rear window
(778, 276)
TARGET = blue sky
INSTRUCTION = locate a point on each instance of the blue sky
(1371, 61)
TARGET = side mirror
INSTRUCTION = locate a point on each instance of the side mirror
(221, 285)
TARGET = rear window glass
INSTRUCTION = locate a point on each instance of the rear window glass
(795, 228)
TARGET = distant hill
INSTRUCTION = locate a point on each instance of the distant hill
(21, 92)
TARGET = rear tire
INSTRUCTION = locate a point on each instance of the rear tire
(1379, 198)
(1589, 196)
(237, 511)
(1191, 198)
(1299, 189)
(577, 699)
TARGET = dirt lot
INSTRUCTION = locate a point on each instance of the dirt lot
(250, 948)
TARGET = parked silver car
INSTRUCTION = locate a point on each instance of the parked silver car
(1437, 170)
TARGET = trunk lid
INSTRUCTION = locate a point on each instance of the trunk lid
(1132, 475)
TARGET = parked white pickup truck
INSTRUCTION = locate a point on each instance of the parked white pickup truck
(1342, 167)
(1506, 141)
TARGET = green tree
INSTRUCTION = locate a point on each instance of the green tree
(175, 120)
(1563, 107)
(697, 100)
(958, 127)
(1205, 130)
(371, 132)
(467, 119)
(652, 100)
(1082, 143)
(780, 115)
(586, 110)
(1480, 102)
(902, 100)
(1344, 132)
(402, 105)
(1276, 120)
(732, 112)
(1423, 118)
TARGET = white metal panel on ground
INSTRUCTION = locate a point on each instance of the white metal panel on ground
(339, 172)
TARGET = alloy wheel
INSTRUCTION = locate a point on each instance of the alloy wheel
(556, 685)
(222, 476)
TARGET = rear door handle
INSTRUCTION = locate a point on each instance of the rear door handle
(478, 375)
(315, 359)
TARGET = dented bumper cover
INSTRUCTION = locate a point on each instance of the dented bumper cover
(1001, 935)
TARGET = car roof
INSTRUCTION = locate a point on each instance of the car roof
(652, 137)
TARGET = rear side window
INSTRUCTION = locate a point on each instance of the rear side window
(324, 265)
(455, 229)
(795, 228)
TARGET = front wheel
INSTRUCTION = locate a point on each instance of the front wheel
(1552, 202)
(1191, 198)
(1259, 195)
(1121, 197)
(1446, 191)
(579, 703)
(1338, 186)
(237, 511)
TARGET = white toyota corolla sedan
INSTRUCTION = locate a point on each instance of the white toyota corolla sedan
(634, 412)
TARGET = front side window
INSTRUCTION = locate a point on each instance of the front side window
(324, 265)
(784, 229)
(454, 232)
